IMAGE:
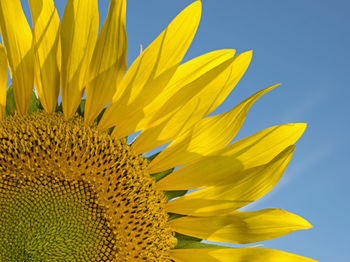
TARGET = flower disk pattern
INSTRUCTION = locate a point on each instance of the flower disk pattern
(70, 155)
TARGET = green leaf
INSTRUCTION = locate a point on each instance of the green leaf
(10, 102)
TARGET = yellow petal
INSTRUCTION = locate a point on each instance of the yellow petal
(192, 104)
(152, 70)
(208, 135)
(79, 31)
(108, 62)
(241, 227)
(3, 80)
(246, 153)
(250, 254)
(186, 74)
(242, 189)
(17, 38)
(46, 38)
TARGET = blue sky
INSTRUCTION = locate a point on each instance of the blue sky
(305, 46)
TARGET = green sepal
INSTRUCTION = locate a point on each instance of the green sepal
(150, 158)
(172, 216)
(181, 237)
(170, 194)
(81, 108)
(188, 244)
(34, 104)
(98, 118)
(176, 193)
(10, 102)
(160, 175)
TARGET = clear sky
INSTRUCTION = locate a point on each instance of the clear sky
(305, 46)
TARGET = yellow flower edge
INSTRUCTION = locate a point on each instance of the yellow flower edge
(73, 189)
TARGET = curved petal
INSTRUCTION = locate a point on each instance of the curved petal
(243, 189)
(3, 80)
(222, 165)
(186, 108)
(46, 25)
(241, 227)
(152, 70)
(17, 38)
(79, 31)
(108, 62)
(185, 74)
(250, 254)
(207, 136)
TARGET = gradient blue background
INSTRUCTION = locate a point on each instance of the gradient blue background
(305, 46)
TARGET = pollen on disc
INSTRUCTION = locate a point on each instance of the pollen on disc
(62, 159)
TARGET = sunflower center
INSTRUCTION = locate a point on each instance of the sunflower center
(44, 218)
(69, 192)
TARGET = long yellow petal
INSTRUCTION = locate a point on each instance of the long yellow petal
(17, 38)
(186, 108)
(241, 227)
(108, 62)
(243, 189)
(3, 80)
(186, 74)
(250, 254)
(222, 165)
(209, 135)
(46, 38)
(79, 31)
(153, 69)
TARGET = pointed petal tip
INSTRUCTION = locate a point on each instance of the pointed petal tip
(198, 2)
(299, 126)
(305, 224)
(299, 222)
(248, 55)
(302, 126)
(276, 85)
(196, 6)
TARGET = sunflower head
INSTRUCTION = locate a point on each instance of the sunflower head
(73, 189)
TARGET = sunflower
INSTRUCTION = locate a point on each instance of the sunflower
(73, 189)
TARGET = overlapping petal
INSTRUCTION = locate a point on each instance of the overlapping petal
(250, 254)
(17, 39)
(186, 74)
(242, 189)
(241, 227)
(79, 29)
(46, 25)
(108, 62)
(153, 69)
(3, 80)
(221, 166)
(207, 136)
(190, 105)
